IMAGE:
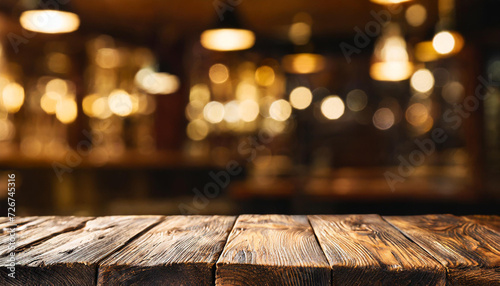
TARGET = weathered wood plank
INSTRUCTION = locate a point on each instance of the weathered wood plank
(181, 250)
(469, 251)
(71, 258)
(366, 250)
(272, 250)
(7, 223)
(491, 221)
(38, 229)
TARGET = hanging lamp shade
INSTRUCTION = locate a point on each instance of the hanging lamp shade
(389, 2)
(49, 19)
(304, 61)
(228, 35)
(391, 60)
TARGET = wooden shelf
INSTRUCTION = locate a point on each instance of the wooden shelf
(362, 184)
(129, 160)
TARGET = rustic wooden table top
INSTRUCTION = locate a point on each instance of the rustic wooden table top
(252, 250)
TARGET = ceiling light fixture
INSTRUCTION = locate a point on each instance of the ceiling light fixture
(49, 21)
(228, 36)
(390, 58)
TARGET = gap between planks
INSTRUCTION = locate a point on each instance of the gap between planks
(366, 250)
(33, 262)
(214, 269)
(98, 268)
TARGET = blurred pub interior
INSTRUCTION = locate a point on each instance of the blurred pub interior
(227, 107)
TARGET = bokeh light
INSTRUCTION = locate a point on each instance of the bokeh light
(280, 110)
(194, 109)
(356, 100)
(100, 108)
(383, 118)
(200, 92)
(246, 90)
(57, 85)
(299, 33)
(425, 126)
(231, 112)
(416, 15)
(332, 107)
(157, 83)
(58, 62)
(13, 97)
(120, 103)
(453, 92)
(87, 103)
(107, 58)
(135, 103)
(248, 110)
(66, 110)
(422, 80)
(197, 130)
(218, 73)
(264, 76)
(7, 130)
(49, 101)
(213, 112)
(301, 97)
(443, 42)
(417, 114)
(304, 63)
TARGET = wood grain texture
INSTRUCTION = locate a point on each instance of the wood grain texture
(71, 258)
(181, 250)
(38, 229)
(6, 223)
(469, 251)
(366, 250)
(491, 221)
(272, 250)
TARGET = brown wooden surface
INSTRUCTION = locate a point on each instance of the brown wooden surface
(491, 221)
(71, 258)
(38, 229)
(182, 250)
(366, 250)
(272, 250)
(6, 222)
(254, 250)
(469, 251)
